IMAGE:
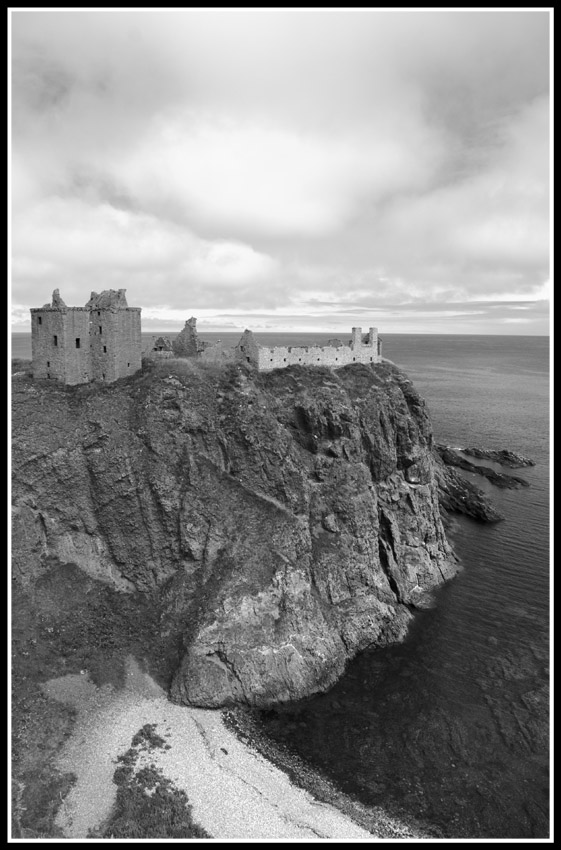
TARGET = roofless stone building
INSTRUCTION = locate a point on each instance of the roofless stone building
(98, 342)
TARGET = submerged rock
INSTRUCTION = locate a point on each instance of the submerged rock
(285, 520)
(499, 479)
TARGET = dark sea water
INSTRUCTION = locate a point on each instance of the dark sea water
(452, 726)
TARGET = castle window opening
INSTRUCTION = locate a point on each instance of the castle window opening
(77, 342)
(48, 374)
(354, 358)
(48, 363)
(55, 340)
(98, 313)
(248, 359)
(100, 328)
(39, 320)
(105, 349)
(128, 364)
(103, 375)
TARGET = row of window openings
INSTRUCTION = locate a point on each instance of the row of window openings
(55, 341)
(319, 358)
(102, 374)
(104, 348)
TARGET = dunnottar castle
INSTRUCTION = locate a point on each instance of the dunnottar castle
(102, 342)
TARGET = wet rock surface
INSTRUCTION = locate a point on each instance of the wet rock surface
(459, 495)
(499, 479)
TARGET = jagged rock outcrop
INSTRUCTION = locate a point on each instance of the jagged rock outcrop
(499, 479)
(287, 520)
(503, 456)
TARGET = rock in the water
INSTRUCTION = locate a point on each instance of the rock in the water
(458, 495)
(499, 479)
(502, 456)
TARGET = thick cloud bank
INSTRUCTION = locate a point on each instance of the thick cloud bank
(285, 168)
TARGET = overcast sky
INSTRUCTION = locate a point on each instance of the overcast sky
(285, 169)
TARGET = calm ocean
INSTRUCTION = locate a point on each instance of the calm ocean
(452, 726)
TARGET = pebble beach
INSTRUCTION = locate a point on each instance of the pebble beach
(235, 791)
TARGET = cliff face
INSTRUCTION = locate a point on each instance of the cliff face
(284, 521)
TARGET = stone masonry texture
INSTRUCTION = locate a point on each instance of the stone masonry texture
(98, 342)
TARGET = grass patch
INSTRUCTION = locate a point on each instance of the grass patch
(147, 738)
(39, 728)
(45, 790)
(19, 364)
(148, 805)
(71, 624)
(177, 367)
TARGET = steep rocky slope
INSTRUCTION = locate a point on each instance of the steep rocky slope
(280, 522)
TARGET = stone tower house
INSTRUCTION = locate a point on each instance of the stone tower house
(98, 342)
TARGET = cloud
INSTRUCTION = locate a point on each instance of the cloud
(258, 178)
(216, 158)
(484, 234)
(69, 244)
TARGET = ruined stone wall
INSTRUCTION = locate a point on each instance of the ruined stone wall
(186, 343)
(247, 350)
(47, 343)
(314, 355)
(158, 349)
(128, 344)
(54, 351)
(359, 350)
(77, 345)
(103, 349)
(115, 343)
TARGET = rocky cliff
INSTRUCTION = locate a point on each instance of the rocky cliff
(281, 522)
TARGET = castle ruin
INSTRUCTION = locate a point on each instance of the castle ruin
(102, 342)
(98, 342)
(362, 348)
